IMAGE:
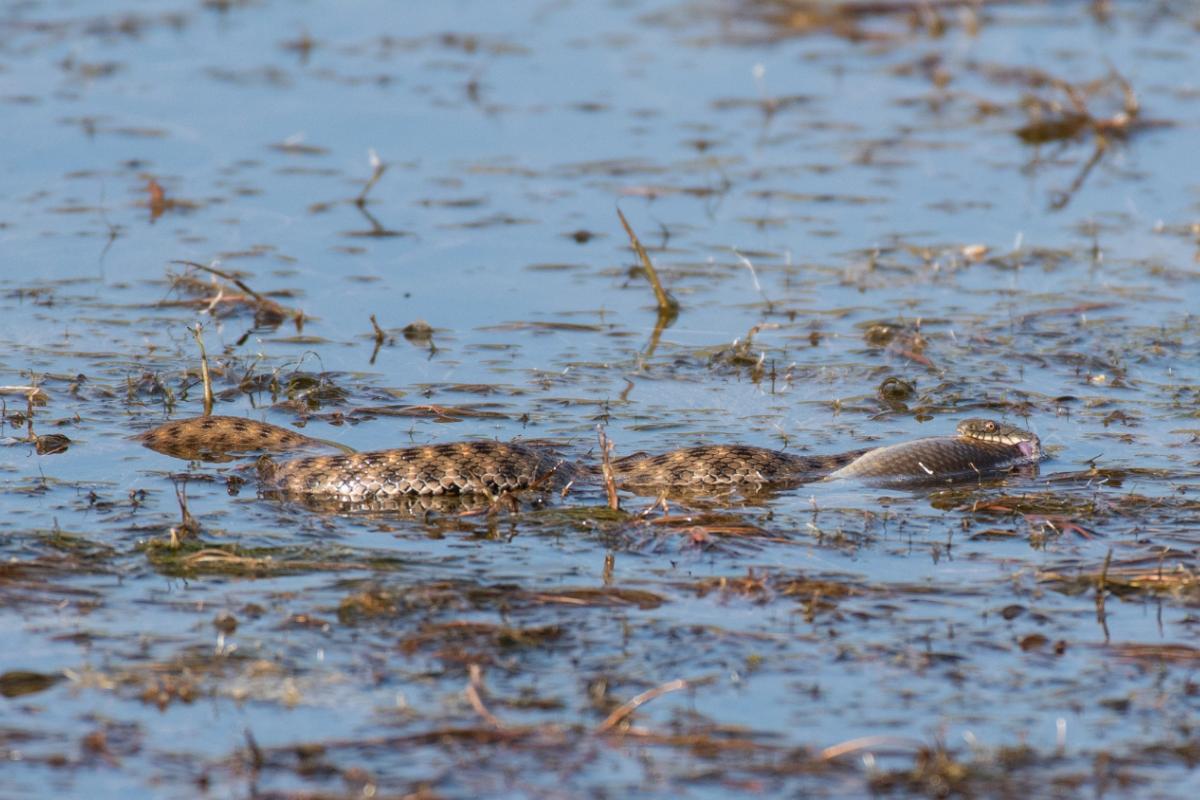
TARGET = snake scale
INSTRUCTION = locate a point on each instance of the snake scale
(490, 468)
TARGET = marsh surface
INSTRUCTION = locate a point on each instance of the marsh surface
(878, 219)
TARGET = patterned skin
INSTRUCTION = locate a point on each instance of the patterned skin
(491, 468)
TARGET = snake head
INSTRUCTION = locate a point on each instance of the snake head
(989, 430)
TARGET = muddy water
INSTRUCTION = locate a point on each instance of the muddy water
(878, 220)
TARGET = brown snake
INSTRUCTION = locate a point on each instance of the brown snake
(491, 468)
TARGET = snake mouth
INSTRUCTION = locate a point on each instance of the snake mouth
(1029, 449)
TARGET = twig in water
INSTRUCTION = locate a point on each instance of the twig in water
(1101, 590)
(32, 393)
(188, 526)
(29, 397)
(768, 103)
(754, 276)
(606, 575)
(380, 338)
(378, 167)
(667, 304)
(472, 692)
(264, 303)
(628, 707)
(610, 483)
(204, 374)
(868, 743)
(158, 199)
(256, 754)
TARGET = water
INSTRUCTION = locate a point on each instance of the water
(1029, 635)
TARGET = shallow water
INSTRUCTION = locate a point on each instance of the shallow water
(966, 201)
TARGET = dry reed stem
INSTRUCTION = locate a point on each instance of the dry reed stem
(867, 743)
(213, 555)
(610, 483)
(378, 167)
(262, 300)
(627, 708)
(216, 557)
(32, 393)
(666, 303)
(474, 684)
(1165, 651)
(204, 373)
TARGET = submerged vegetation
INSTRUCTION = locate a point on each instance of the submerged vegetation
(602, 229)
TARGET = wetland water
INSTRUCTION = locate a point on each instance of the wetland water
(879, 219)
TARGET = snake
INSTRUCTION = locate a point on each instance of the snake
(492, 468)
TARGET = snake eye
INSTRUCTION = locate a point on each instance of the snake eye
(990, 426)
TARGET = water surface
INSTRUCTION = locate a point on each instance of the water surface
(993, 203)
